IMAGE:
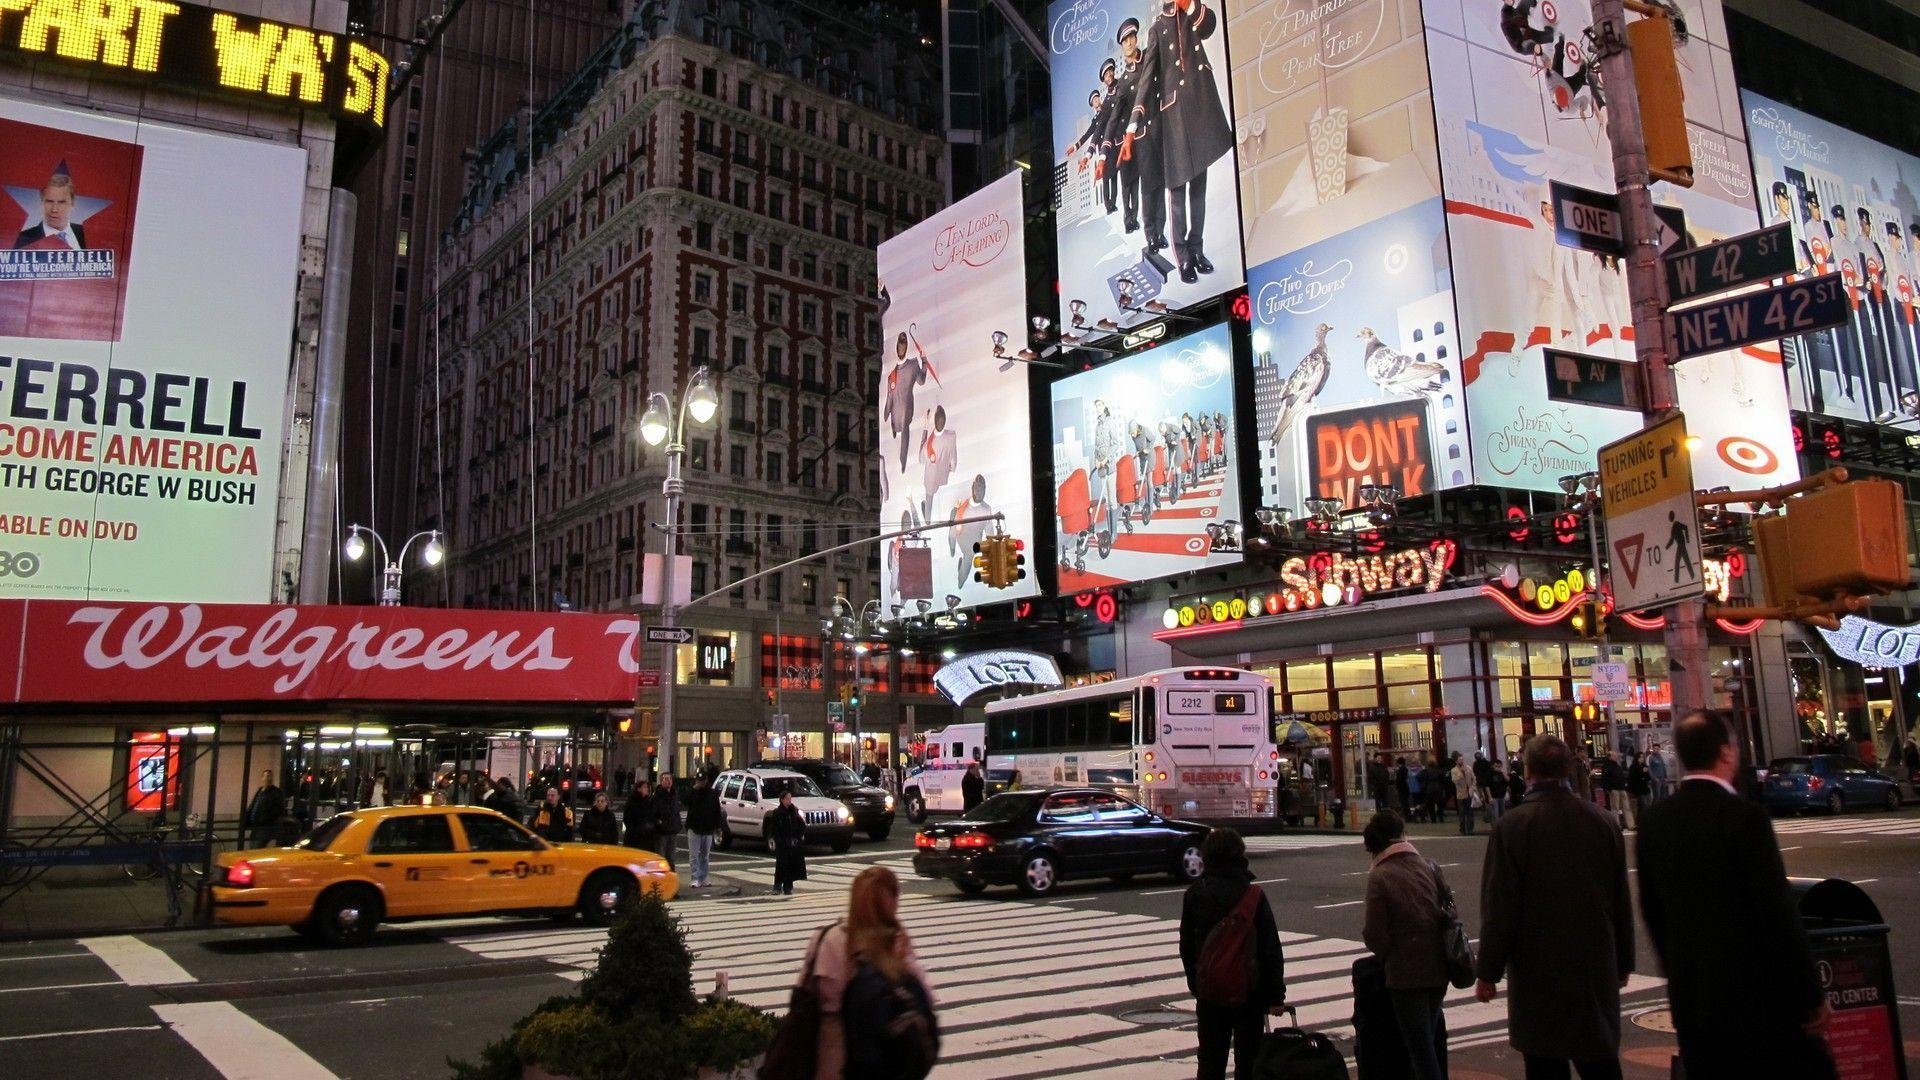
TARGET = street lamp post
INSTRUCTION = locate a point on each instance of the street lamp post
(356, 547)
(663, 421)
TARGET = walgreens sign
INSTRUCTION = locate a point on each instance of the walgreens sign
(74, 652)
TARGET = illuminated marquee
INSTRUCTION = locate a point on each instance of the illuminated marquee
(1327, 579)
(207, 49)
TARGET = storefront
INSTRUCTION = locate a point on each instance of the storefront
(1478, 664)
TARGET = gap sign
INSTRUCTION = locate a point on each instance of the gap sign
(1799, 307)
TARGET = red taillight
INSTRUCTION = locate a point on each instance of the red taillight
(973, 840)
(240, 874)
(1814, 783)
(922, 840)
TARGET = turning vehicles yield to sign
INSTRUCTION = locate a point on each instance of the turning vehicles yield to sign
(1646, 482)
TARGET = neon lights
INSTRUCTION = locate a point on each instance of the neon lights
(207, 49)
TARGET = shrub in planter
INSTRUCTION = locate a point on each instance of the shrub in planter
(636, 1017)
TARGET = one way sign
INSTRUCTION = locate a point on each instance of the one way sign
(669, 635)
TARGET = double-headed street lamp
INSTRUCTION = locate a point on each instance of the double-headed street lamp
(356, 547)
(661, 421)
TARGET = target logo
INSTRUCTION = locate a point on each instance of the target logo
(1550, 12)
(1395, 259)
(1196, 545)
(1750, 457)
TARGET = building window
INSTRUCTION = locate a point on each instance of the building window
(840, 375)
(697, 583)
(777, 258)
(809, 590)
(776, 594)
(809, 418)
(400, 245)
(809, 267)
(737, 351)
(777, 205)
(703, 182)
(742, 194)
(709, 80)
(809, 216)
(841, 275)
(809, 315)
(842, 480)
(740, 245)
(737, 461)
(702, 344)
(737, 295)
(702, 287)
(842, 325)
(743, 95)
(697, 452)
(776, 308)
(703, 235)
(776, 361)
(697, 517)
(776, 468)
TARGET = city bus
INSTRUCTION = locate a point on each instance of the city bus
(1187, 742)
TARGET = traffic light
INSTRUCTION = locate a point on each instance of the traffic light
(1587, 713)
(1663, 117)
(983, 555)
(1590, 619)
(853, 697)
(1013, 561)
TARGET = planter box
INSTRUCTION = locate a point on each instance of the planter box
(745, 1071)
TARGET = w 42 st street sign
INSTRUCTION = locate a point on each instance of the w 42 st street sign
(1799, 307)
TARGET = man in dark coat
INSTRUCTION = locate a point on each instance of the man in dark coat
(1379, 782)
(973, 788)
(1207, 903)
(1177, 86)
(638, 817)
(1557, 923)
(1714, 893)
(666, 818)
(264, 811)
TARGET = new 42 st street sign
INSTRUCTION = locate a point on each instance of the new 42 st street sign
(1653, 531)
(1799, 307)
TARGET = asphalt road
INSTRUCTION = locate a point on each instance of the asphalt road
(233, 1003)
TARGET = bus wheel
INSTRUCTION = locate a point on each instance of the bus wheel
(916, 807)
(1189, 866)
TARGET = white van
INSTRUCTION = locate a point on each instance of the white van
(935, 786)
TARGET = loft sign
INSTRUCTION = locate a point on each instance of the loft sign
(969, 675)
(1874, 644)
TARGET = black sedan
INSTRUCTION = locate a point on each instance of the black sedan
(1035, 839)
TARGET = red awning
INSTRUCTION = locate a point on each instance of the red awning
(70, 652)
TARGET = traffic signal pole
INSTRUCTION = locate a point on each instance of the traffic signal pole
(1686, 632)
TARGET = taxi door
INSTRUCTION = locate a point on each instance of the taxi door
(512, 869)
(413, 859)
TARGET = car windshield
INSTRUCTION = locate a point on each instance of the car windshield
(798, 786)
(1791, 765)
(839, 776)
(1010, 806)
(326, 833)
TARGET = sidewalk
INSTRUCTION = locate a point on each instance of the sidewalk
(61, 904)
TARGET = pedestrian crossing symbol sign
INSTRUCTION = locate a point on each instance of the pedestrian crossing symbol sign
(1653, 530)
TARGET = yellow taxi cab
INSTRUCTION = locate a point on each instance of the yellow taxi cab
(408, 862)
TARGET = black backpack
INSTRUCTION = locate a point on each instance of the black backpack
(891, 1032)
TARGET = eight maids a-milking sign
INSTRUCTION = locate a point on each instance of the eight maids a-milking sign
(206, 49)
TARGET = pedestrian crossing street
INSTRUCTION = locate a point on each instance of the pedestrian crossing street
(1863, 828)
(1023, 989)
(823, 874)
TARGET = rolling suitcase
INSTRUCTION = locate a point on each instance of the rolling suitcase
(1293, 1053)
(1378, 1051)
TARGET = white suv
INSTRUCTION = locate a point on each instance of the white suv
(748, 797)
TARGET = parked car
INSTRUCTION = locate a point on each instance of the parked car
(361, 868)
(872, 807)
(1833, 781)
(1036, 838)
(748, 796)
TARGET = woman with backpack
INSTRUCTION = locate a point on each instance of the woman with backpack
(1230, 948)
(876, 1010)
(1404, 930)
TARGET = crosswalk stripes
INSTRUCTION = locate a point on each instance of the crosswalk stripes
(821, 874)
(1023, 989)
(1861, 827)
(1315, 841)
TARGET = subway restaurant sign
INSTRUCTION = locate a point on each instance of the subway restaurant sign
(196, 46)
(1325, 579)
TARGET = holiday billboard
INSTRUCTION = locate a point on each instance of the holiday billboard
(1145, 459)
(1144, 193)
(1359, 323)
(953, 414)
(146, 321)
(1853, 210)
(1519, 111)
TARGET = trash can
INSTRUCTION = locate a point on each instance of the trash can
(1848, 938)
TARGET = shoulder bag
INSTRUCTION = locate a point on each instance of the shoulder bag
(794, 1053)
(1453, 936)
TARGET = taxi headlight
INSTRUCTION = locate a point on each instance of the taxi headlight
(844, 814)
(889, 802)
(654, 867)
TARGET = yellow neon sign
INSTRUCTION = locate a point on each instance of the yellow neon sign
(214, 50)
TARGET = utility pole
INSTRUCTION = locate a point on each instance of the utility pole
(1686, 633)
